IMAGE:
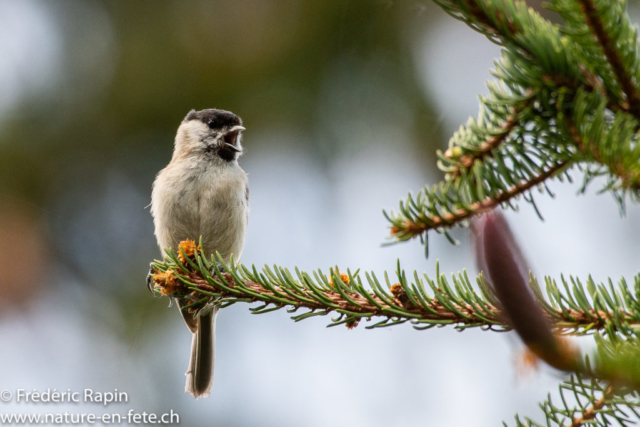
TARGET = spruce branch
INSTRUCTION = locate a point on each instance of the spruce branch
(424, 302)
(486, 147)
(584, 401)
(404, 228)
(611, 143)
(607, 45)
(610, 51)
(513, 145)
(523, 154)
(590, 412)
(628, 178)
(594, 396)
(547, 113)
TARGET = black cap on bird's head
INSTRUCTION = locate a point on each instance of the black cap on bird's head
(215, 119)
(225, 127)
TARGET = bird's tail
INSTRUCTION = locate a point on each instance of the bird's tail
(200, 372)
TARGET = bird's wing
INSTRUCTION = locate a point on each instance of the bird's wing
(192, 323)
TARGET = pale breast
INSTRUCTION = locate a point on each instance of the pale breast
(201, 199)
(223, 211)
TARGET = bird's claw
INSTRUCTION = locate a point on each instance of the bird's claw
(150, 277)
(220, 269)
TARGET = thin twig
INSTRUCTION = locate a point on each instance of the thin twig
(485, 148)
(416, 228)
(590, 413)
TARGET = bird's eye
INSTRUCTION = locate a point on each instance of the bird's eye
(212, 124)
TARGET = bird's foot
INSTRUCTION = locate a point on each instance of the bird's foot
(150, 277)
(220, 269)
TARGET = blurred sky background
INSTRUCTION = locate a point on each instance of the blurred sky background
(345, 103)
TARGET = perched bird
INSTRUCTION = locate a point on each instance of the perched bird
(203, 192)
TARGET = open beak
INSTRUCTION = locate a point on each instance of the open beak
(230, 138)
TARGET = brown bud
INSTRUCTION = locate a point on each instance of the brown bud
(352, 323)
(400, 295)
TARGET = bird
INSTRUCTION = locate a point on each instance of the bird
(203, 193)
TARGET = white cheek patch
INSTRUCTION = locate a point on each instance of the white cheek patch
(193, 134)
(196, 130)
